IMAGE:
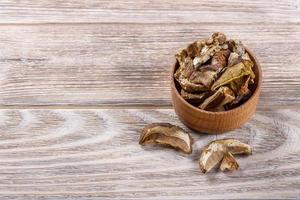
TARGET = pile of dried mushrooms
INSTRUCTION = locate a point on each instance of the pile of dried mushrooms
(215, 74)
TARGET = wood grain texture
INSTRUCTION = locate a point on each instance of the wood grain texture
(117, 64)
(94, 154)
(105, 54)
(146, 11)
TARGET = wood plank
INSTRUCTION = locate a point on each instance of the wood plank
(88, 154)
(115, 64)
(145, 11)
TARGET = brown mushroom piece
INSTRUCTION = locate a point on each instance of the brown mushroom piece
(206, 53)
(184, 72)
(185, 69)
(221, 97)
(229, 163)
(194, 49)
(240, 88)
(235, 146)
(191, 87)
(181, 56)
(213, 45)
(194, 98)
(212, 154)
(166, 134)
(219, 37)
(234, 59)
(236, 47)
(204, 76)
(222, 150)
(220, 58)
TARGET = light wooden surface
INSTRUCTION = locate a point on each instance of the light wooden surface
(80, 79)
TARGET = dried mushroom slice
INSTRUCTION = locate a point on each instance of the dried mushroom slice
(235, 146)
(236, 47)
(232, 73)
(185, 69)
(219, 38)
(238, 85)
(181, 56)
(166, 134)
(195, 98)
(220, 58)
(229, 163)
(206, 53)
(205, 76)
(234, 59)
(194, 49)
(240, 88)
(191, 87)
(238, 54)
(213, 45)
(221, 97)
(243, 89)
(182, 76)
(211, 156)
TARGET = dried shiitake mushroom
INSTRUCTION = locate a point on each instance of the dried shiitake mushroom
(222, 150)
(229, 163)
(211, 156)
(194, 97)
(166, 134)
(235, 146)
(220, 98)
(211, 66)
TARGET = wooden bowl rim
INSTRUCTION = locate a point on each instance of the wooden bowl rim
(256, 64)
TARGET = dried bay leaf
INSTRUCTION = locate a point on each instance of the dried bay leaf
(232, 73)
(248, 65)
(166, 134)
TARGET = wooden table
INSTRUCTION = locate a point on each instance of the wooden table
(80, 79)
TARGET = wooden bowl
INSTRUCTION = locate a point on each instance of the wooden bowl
(216, 122)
